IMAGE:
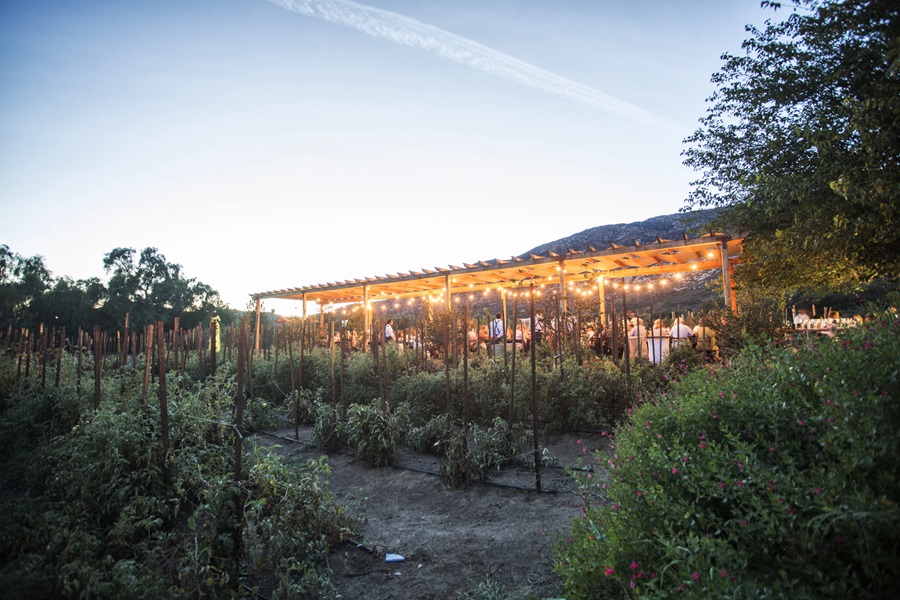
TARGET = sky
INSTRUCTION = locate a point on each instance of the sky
(268, 144)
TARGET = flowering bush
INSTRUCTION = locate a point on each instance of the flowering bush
(774, 477)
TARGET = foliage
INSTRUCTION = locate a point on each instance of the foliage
(801, 142)
(774, 477)
(147, 287)
(587, 395)
(458, 467)
(328, 429)
(94, 505)
(369, 433)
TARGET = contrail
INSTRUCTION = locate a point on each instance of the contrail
(405, 31)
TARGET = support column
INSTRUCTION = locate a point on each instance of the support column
(727, 291)
(563, 294)
(601, 281)
(258, 309)
(367, 314)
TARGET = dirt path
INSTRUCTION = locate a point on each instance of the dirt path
(450, 539)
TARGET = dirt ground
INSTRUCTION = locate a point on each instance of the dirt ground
(450, 540)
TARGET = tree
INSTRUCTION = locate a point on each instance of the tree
(23, 282)
(801, 143)
(150, 289)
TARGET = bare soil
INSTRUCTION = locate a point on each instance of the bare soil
(497, 533)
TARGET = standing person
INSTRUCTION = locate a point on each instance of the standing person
(538, 326)
(389, 331)
(498, 333)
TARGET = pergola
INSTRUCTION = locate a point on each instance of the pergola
(711, 251)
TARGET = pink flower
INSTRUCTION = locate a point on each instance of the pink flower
(640, 493)
(609, 571)
(674, 470)
(634, 565)
(721, 484)
(771, 448)
(702, 446)
(723, 573)
(695, 576)
(632, 584)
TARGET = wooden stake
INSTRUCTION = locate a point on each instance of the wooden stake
(163, 397)
(98, 358)
(534, 405)
(148, 360)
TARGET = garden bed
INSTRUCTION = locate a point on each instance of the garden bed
(495, 534)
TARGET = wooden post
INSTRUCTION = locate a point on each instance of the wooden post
(726, 276)
(447, 363)
(302, 348)
(512, 383)
(534, 404)
(384, 376)
(176, 336)
(465, 319)
(62, 340)
(258, 317)
(627, 350)
(243, 344)
(20, 351)
(45, 350)
(213, 334)
(98, 358)
(163, 397)
(601, 281)
(78, 365)
(126, 338)
(29, 343)
(148, 359)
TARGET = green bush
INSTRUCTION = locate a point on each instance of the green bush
(775, 477)
(368, 432)
(95, 507)
(328, 430)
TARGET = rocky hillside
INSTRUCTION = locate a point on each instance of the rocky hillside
(672, 226)
(694, 292)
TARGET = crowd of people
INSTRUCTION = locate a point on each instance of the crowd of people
(497, 336)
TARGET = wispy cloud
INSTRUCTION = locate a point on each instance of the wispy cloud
(405, 31)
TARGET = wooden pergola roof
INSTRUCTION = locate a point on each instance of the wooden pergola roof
(656, 258)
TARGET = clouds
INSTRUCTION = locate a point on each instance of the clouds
(409, 32)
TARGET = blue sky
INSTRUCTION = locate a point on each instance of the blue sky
(269, 144)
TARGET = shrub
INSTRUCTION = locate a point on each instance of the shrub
(328, 430)
(775, 477)
(368, 432)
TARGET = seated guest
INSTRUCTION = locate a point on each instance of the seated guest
(681, 331)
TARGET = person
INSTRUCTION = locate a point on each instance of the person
(660, 329)
(538, 326)
(596, 341)
(498, 333)
(706, 341)
(523, 336)
(472, 339)
(681, 331)
(637, 338)
(658, 344)
(389, 331)
(801, 319)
